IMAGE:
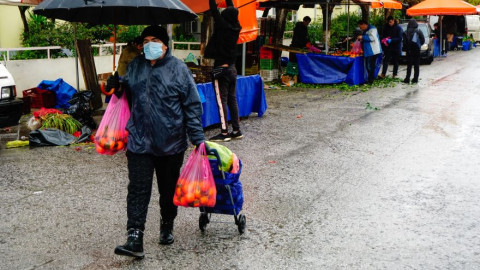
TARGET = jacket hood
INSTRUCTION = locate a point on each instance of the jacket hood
(411, 28)
(230, 14)
(412, 23)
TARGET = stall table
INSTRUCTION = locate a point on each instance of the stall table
(329, 69)
(250, 98)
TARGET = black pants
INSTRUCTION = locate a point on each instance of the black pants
(225, 85)
(140, 174)
(413, 59)
(391, 55)
(370, 65)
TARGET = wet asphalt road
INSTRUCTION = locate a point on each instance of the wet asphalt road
(328, 184)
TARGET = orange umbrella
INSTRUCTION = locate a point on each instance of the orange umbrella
(384, 4)
(199, 6)
(247, 15)
(441, 7)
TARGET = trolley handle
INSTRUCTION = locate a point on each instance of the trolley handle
(215, 153)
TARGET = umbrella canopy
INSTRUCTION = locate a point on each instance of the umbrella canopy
(199, 6)
(20, 2)
(441, 7)
(384, 4)
(124, 12)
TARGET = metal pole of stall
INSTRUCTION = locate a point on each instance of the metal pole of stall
(326, 31)
(244, 56)
(348, 25)
(76, 55)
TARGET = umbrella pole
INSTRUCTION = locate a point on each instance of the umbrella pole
(76, 54)
(441, 35)
(348, 25)
(114, 44)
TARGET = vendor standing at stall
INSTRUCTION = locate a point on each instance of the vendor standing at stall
(392, 46)
(300, 37)
(371, 47)
(222, 47)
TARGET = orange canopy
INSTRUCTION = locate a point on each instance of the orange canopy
(441, 7)
(199, 6)
(384, 4)
(247, 15)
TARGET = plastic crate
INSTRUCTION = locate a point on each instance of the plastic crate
(292, 68)
(266, 53)
(269, 75)
(40, 98)
(267, 64)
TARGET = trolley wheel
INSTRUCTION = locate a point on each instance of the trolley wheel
(242, 223)
(203, 221)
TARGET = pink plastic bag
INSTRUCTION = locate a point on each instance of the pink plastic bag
(111, 135)
(195, 186)
(357, 47)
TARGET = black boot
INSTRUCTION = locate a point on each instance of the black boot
(134, 245)
(166, 235)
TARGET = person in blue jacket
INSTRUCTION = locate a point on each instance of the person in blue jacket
(371, 47)
(165, 109)
(392, 46)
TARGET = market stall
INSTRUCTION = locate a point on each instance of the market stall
(330, 69)
(440, 8)
(250, 99)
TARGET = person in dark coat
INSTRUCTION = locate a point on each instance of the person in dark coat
(414, 39)
(165, 108)
(300, 37)
(223, 48)
(392, 46)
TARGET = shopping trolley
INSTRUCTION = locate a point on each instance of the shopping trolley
(229, 198)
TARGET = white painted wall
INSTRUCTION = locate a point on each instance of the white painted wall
(29, 73)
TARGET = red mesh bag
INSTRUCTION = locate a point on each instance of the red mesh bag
(195, 186)
(111, 135)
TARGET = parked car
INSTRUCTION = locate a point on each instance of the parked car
(426, 50)
(11, 108)
(473, 26)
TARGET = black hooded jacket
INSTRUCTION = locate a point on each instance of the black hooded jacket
(412, 28)
(223, 43)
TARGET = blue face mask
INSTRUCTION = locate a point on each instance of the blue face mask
(153, 50)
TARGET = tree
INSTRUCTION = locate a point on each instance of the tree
(328, 11)
(23, 10)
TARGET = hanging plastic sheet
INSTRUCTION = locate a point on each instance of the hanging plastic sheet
(329, 69)
(250, 98)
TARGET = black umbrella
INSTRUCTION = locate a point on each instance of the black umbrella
(124, 12)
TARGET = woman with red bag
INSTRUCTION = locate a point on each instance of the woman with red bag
(165, 108)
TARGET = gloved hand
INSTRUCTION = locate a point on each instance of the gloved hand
(389, 40)
(207, 149)
(113, 81)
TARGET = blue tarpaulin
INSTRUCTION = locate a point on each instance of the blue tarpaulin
(64, 91)
(250, 98)
(329, 69)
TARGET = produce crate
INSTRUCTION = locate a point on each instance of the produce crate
(292, 68)
(266, 53)
(40, 98)
(267, 64)
(26, 105)
(251, 70)
(269, 75)
(201, 74)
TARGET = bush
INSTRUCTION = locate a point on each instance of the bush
(45, 32)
